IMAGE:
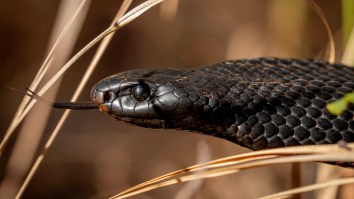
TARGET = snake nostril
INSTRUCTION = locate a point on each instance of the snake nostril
(107, 97)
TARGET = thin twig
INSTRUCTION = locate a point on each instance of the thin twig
(240, 162)
(39, 76)
(116, 25)
(291, 192)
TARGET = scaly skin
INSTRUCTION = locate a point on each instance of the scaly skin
(257, 103)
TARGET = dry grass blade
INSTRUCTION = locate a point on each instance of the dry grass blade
(124, 20)
(190, 189)
(121, 22)
(240, 158)
(28, 140)
(216, 163)
(318, 10)
(215, 172)
(207, 174)
(291, 192)
(39, 76)
(83, 82)
(330, 153)
(136, 12)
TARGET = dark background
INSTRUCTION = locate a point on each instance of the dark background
(95, 156)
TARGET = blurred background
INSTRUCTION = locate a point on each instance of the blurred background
(95, 156)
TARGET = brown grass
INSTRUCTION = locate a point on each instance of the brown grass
(94, 155)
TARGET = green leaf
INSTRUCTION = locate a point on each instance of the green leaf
(349, 97)
(337, 107)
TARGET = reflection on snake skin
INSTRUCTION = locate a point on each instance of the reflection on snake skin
(257, 103)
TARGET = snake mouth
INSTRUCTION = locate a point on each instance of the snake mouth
(143, 122)
(138, 121)
(140, 114)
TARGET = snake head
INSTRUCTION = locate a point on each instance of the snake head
(145, 98)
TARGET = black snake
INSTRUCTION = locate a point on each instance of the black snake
(256, 103)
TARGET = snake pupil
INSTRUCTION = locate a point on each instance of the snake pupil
(141, 92)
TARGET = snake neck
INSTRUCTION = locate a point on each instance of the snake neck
(258, 103)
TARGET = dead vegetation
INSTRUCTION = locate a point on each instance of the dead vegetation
(95, 157)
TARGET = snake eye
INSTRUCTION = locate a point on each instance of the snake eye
(141, 92)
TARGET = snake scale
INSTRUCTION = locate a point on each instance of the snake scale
(256, 103)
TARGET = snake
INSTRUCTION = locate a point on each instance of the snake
(256, 103)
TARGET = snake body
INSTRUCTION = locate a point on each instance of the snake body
(256, 103)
